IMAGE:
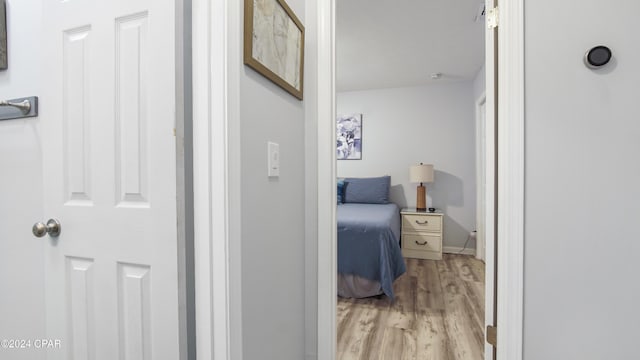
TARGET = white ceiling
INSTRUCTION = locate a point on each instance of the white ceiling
(397, 43)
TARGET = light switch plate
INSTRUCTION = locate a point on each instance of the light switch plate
(273, 162)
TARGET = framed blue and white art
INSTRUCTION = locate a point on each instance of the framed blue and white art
(349, 137)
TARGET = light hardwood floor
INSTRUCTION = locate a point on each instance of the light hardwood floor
(438, 314)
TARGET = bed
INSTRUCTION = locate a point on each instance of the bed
(369, 255)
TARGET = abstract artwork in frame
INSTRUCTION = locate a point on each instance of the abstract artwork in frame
(274, 43)
(3, 36)
(349, 137)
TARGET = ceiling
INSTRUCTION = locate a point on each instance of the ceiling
(399, 43)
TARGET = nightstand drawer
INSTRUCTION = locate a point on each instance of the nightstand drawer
(418, 223)
(421, 242)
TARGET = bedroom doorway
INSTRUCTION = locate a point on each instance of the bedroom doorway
(457, 269)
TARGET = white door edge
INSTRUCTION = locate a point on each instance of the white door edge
(327, 228)
(511, 180)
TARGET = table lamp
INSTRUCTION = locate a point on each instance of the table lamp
(421, 174)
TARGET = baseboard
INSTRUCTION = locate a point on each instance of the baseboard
(458, 250)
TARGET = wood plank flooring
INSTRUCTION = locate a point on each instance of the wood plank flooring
(438, 314)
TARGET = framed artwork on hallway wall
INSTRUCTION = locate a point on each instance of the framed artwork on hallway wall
(4, 59)
(349, 137)
(274, 43)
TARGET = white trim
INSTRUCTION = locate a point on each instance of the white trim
(214, 105)
(231, 69)
(511, 180)
(327, 230)
(458, 250)
(201, 180)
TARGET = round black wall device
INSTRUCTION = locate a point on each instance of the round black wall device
(597, 57)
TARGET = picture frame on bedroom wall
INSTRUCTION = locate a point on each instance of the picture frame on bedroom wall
(349, 137)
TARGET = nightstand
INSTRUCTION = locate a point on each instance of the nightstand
(421, 234)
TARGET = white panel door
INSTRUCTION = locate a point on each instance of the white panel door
(108, 109)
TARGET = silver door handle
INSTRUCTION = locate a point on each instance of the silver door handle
(52, 227)
(24, 106)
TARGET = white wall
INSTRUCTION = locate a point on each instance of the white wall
(581, 189)
(432, 124)
(21, 254)
(479, 83)
(273, 217)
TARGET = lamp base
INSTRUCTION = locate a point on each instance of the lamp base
(421, 200)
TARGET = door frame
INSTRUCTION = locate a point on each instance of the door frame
(511, 162)
(216, 169)
(510, 259)
(216, 61)
(327, 191)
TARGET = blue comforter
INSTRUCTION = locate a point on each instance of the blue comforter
(368, 243)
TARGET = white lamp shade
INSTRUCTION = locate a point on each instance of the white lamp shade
(421, 173)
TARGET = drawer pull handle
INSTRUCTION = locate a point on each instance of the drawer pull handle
(422, 222)
(421, 243)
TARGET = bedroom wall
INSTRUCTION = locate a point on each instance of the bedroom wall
(432, 124)
(581, 182)
(272, 216)
(22, 277)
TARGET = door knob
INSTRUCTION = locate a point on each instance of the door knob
(52, 227)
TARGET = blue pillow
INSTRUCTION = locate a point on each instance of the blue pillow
(340, 191)
(373, 190)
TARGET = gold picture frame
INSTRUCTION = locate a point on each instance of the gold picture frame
(4, 58)
(274, 43)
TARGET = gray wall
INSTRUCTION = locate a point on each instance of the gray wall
(273, 218)
(433, 124)
(582, 176)
(21, 254)
(311, 182)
